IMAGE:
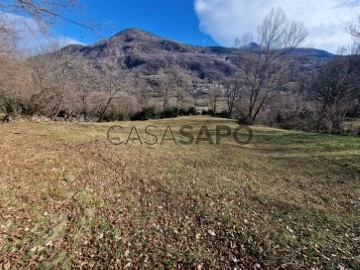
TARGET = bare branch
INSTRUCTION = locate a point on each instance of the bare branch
(264, 66)
(44, 12)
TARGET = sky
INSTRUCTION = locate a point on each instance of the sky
(198, 22)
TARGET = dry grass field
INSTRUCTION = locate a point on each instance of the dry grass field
(71, 199)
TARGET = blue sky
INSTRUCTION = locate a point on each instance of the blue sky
(175, 19)
(205, 22)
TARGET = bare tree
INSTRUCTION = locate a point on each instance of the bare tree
(143, 90)
(354, 30)
(44, 12)
(53, 73)
(197, 91)
(334, 89)
(114, 80)
(264, 66)
(182, 84)
(9, 65)
(232, 89)
(215, 93)
(85, 80)
(171, 84)
(16, 82)
(71, 84)
(166, 88)
(8, 37)
(16, 85)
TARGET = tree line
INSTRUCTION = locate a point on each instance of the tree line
(260, 91)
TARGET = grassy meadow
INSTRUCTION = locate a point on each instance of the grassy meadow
(71, 199)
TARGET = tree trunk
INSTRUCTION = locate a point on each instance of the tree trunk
(104, 111)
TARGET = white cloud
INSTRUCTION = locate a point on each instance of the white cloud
(325, 20)
(31, 39)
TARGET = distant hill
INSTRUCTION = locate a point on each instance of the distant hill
(315, 53)
(149, 56)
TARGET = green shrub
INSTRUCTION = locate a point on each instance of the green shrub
(169, 113)
(145, 114)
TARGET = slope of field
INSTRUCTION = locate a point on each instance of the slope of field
(69, 198)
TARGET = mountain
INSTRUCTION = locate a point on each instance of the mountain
(315, 53)
(158, 61)
(146, 70)
(147, 54)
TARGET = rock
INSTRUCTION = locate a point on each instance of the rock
(8, 119)
(44, 119)
(39, 119)
(35, 118)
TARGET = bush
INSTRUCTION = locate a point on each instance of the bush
(209, 112)
(223, 114)
(11, 106)
(298, 120)
(113, 116)
(169, 113)
(182, 112)
(150, 113)
(245, 120)
(145, 114)
(189, 111)
(192, 111)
